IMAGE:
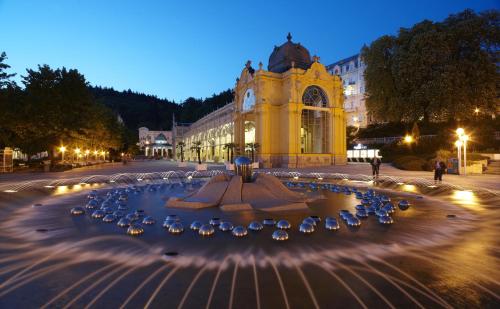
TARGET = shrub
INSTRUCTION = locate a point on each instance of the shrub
(411, 163)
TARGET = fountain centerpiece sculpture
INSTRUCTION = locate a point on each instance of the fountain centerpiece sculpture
(243, 191)
(244, 168)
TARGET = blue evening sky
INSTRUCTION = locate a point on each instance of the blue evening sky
(177, 49)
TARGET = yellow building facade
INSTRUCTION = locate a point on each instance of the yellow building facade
(293, 111)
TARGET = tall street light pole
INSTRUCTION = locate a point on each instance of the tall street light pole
(458, 143)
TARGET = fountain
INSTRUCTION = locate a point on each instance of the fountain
(362, 240)
(242, 191)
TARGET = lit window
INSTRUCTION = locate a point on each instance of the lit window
(314, 96)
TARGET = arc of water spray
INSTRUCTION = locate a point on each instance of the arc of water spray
(214, 283)
(190, 287)
(392, 282)
(472, 282)
(442, 301)
(141, 286)
(110, 285)
(280, 281)
(368, 284)
(343, 283)
(35, 275)
(74, 285)
(400, 282)
(90, 287)
(167, 277)
(308, 286)
(256, 281)
(233, 283)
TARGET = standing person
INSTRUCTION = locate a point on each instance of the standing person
(442, 165)
(375, 163)
(438, 171)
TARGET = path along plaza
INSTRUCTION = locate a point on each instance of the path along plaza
(489, 182)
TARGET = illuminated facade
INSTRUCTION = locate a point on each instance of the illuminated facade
(293, 110)
(155, 143)
(351, 70)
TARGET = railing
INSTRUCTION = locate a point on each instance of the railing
(387, 140)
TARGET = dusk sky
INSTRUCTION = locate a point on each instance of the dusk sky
(177, 49)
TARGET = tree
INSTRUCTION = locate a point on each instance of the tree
(435, 71)
(180, 145)
(197, 148)
(10, 95)
(230, 147)
(57, 107)
(252, 147)
(5, 78)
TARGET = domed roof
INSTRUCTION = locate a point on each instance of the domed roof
(282, 57)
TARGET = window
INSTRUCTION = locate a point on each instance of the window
(314, 96)
(314, 131)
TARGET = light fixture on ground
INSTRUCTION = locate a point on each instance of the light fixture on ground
(306, 228)
(135, 230)
(123, 222)
(206, 230)
(98, 214)
(283, 225)
(332, 224)
(255, 226)
(195, 226)
(148, 220)
(176, 228)
(77, 211)
(240, 231)
(109, 218)
(226, 226)
(280, 235)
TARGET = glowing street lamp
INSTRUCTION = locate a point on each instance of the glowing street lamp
(77, 153)
(408, 139)
(87, 152)
(62, 150)
(95, 154)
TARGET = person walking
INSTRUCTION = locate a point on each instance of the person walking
(375, 163)
(439, 169)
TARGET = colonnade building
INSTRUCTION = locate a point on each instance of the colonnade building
(293, 111)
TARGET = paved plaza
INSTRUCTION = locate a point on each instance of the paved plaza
(490, 182)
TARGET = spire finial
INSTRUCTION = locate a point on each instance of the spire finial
(289, 37)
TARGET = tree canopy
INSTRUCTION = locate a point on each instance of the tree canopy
(58, 106)
(435, 71)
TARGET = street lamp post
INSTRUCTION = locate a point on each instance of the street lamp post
(62, 149)
(458, 143)
(465, 138)
(77, 152)
(462, 140)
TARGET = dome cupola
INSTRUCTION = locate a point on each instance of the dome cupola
(289, 55)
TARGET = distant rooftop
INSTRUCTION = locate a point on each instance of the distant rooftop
(343, 61)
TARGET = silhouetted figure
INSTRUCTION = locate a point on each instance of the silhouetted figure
(439, 170)
(375, 163)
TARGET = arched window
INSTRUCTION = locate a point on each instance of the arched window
(314, 96)
(314, 131)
